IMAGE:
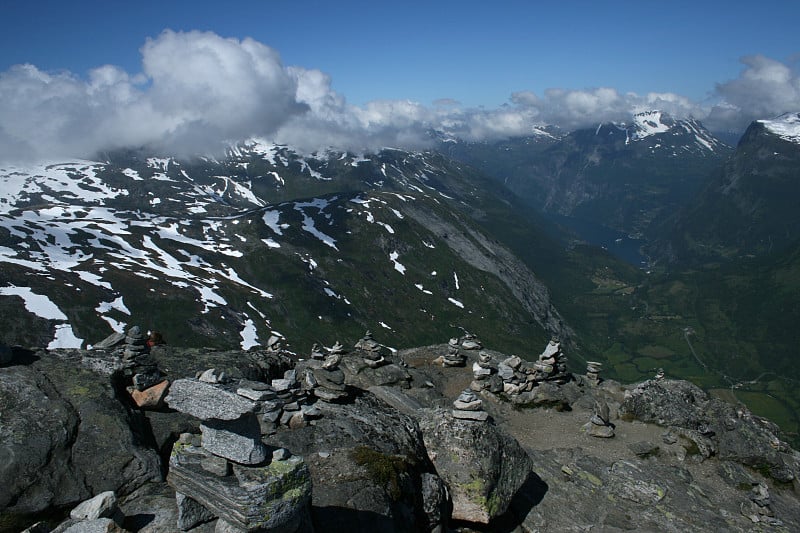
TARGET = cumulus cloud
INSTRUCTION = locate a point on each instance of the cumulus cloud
(765, 88)
(198, 91)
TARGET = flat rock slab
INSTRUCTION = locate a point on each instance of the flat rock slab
(206, 400)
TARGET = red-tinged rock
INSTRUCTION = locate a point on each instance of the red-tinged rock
(152, 397)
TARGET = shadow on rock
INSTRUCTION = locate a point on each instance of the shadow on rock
(529, 495)
(334, 519)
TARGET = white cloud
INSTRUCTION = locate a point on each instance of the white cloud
(765, 88)
(198, 91)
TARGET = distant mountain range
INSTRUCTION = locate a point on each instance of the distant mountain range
(627, 177)
(265, 242)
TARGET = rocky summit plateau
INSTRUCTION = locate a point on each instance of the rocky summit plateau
(448, 437)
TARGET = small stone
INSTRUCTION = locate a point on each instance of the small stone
(468, 406)
(212, 376)
(190, 512)
(185, 438)
(311, 411)
(513, 361)
(505, 372)
(272, 416)
(255, 395)
(281, 454)
(284, 384)
(298, 420)
(602, 432)
(479, 416)
(104, 505)
(145, 380)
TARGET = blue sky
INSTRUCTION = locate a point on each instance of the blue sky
(477, 54)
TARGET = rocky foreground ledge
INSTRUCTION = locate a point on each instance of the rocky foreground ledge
(440, 438)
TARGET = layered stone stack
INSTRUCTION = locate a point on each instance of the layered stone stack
(325, 380)
(317, 352)
(453, 357)
(660, 374)
(482, 371)
(600, 424)
(471, 342)
(552, 363)
(229, 473)
(469, 407)
(135, 343)
(372, 351)
(292, 398)
(149, 386)
(593, 369)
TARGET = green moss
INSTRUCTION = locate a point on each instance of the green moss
(591, 478)
(475, 490)
(382, 468)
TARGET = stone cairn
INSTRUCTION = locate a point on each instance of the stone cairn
(229, 473)
(469, 407)
(599, 424)
(453, 357)
(149, 386)
(552, 363)
(324, 379)
(515, 377)
(660, 374)
(471, 342)
(482, 371)
(372, 351)
(593, 369)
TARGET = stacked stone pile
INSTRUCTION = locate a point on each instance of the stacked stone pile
(593, 369)
(469, 407)
(328, 380)
(600, 424)
(229, 472)
(149, 386)
(482, 371)
(373, 357)
(471, 342)
(453, 357)
(552, 363)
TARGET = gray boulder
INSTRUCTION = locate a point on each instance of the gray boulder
(366, 461)
(56, 418)
(483, 466)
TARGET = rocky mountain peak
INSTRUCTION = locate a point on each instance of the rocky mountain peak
(786, 126)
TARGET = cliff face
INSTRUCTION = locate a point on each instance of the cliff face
(381, 455)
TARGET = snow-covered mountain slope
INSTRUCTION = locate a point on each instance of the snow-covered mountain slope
(661, 133)
(786, 126)
(627, 177)
(263, 242)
